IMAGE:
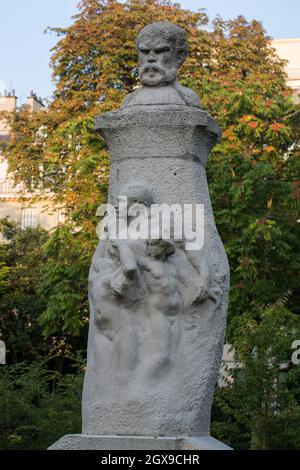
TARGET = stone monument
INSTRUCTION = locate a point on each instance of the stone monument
(157, 309)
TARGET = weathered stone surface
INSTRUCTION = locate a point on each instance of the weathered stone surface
(88, 442)
(158, 132)
(157, 310)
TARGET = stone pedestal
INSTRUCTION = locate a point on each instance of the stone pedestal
(128, 388)
(90, 442)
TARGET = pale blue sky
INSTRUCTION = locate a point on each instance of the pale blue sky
(25, 50)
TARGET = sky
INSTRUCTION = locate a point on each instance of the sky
(25, 49)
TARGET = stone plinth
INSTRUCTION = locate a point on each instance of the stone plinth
(127, 387)
(89, 442)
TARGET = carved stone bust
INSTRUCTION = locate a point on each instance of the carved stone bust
(162, 49)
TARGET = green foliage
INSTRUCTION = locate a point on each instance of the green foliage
(225, 425)
(262, 396)
(20, 303)
(64, 282)
(37, 406)
(4, 271)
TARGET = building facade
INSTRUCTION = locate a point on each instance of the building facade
(15, 203)
(289, 50)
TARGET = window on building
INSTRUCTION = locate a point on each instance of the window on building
(29, 217)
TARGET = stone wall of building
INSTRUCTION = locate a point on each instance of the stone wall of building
(26, 211)
(289, 50)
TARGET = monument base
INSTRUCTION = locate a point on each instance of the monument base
(89, 442)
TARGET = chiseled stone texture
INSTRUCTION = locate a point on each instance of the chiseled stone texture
(163, 148)
(157, 310)
(86, 442)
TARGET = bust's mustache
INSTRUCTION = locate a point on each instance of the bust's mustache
(167, 74)
(152, 68)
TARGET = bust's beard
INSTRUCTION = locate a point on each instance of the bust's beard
(160, 78)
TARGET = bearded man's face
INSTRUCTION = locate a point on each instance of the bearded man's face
(158, 64)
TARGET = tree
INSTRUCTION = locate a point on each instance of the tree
(64, 283)
(262, 396)
(20, 302)
(38, 406)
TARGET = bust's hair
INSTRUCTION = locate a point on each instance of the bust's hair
(169, 31)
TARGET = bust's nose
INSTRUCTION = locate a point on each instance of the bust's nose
(151, 57)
